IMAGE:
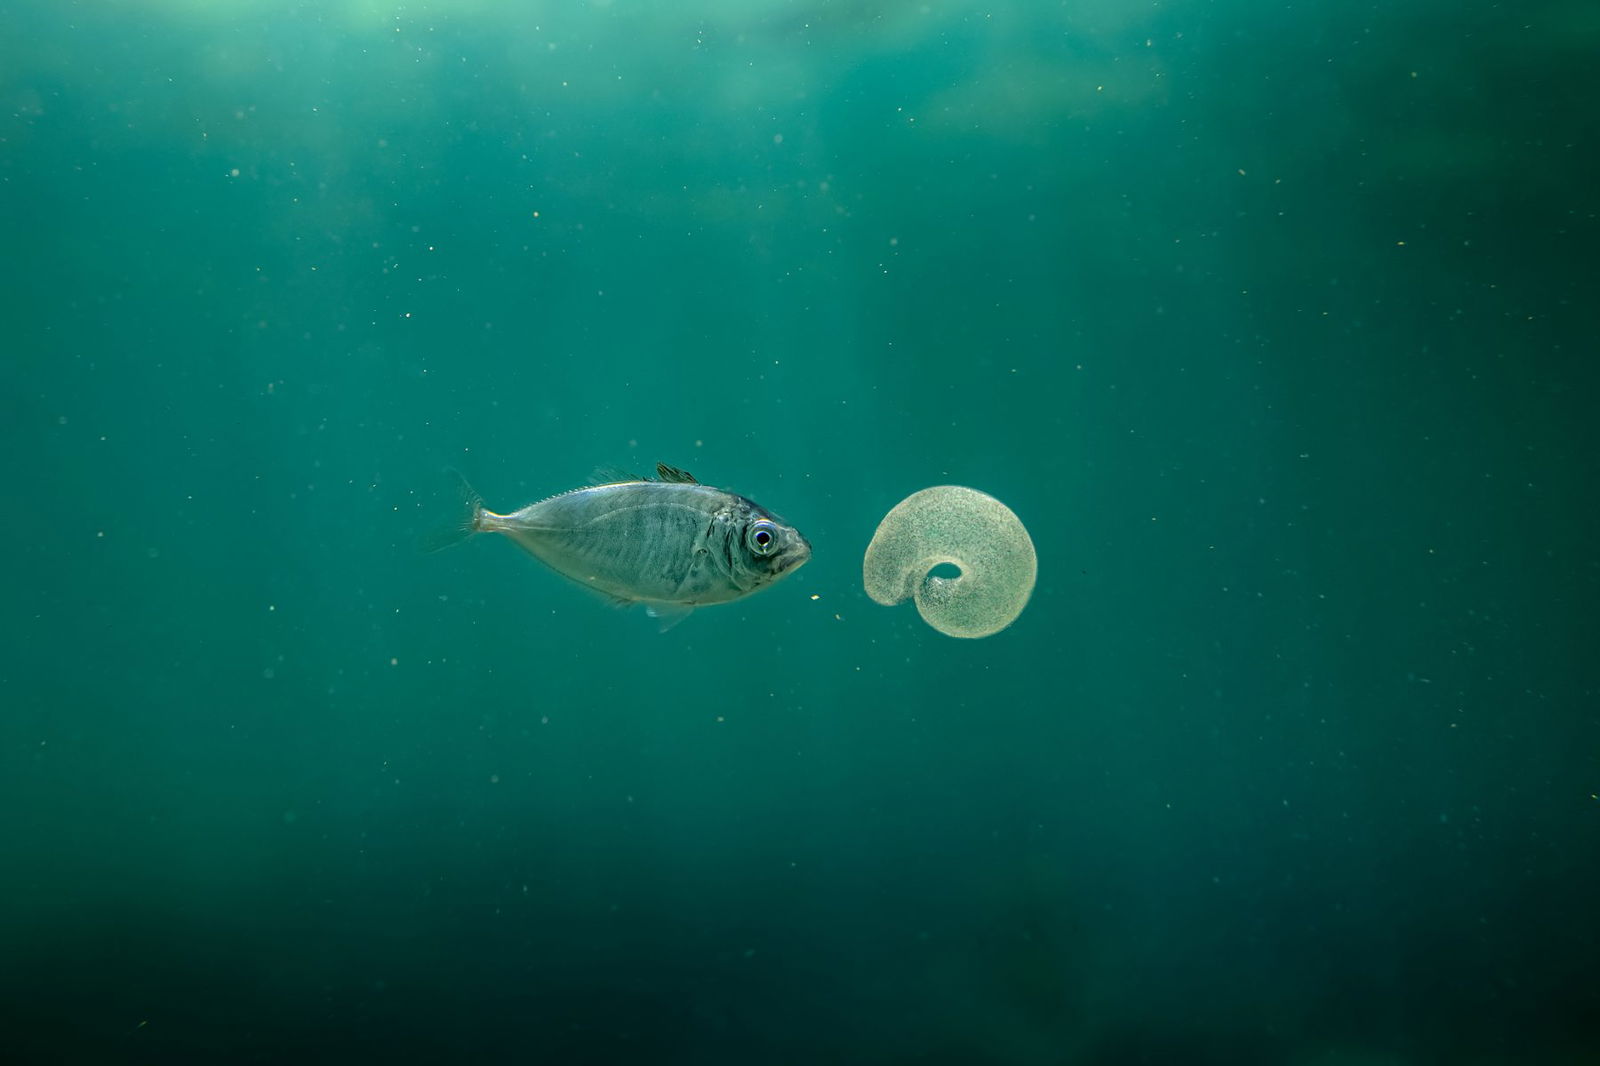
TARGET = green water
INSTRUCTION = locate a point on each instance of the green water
(1275, 324)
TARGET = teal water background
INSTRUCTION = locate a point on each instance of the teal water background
(1275, 324)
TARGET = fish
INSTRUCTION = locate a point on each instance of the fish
(667, 542)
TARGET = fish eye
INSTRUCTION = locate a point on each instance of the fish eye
(763, 537)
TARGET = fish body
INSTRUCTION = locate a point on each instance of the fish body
(671, 544)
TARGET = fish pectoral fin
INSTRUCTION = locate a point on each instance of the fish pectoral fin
(672, 474)
(668, 614)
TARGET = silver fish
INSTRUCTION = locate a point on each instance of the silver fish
(670, 543)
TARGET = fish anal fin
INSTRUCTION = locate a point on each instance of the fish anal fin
(668, 614)
(673, 474)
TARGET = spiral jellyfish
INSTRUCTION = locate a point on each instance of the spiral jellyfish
(953, 526)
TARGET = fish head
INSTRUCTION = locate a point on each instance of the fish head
(769, 548)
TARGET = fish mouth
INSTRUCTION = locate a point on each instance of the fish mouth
(799, 555)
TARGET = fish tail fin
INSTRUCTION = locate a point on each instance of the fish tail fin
(470, 520)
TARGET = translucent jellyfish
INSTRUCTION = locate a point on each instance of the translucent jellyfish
(953, 526)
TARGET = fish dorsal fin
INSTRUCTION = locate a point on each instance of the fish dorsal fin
(613, 475)
(673, 474)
